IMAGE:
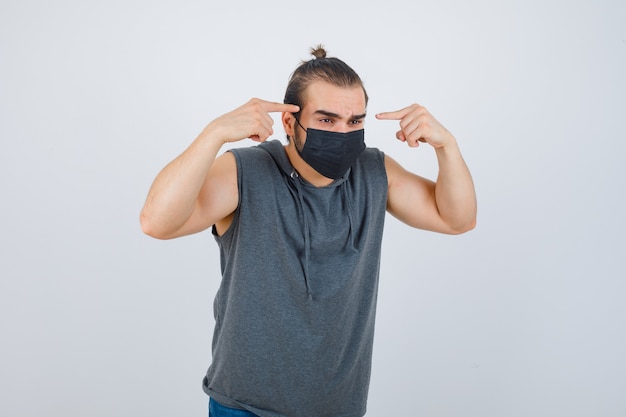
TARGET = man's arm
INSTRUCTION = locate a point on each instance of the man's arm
(447, 206)
(196, 190)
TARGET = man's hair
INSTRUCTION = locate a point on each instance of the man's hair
(320, 68)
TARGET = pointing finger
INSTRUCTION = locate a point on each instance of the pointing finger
(272, 107)
(393, 115)
(400, 114)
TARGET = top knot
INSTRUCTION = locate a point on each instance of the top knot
(318, 52)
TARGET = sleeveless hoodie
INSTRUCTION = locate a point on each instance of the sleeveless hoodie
(294, 313)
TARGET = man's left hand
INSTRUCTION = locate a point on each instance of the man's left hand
(418, 125)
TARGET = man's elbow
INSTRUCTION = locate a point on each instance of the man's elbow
(470, 226)
(463, 228)
(150, 227)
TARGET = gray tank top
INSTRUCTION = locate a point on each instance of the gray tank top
(294, 314)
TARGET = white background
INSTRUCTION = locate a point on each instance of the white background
(524, 316)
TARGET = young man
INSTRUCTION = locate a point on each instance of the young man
(299, 229)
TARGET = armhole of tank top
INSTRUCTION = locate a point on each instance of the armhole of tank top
(384, 169)
(235, 214)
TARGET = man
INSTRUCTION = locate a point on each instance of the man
(299, 229)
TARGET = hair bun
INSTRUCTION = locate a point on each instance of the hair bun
(318, 52)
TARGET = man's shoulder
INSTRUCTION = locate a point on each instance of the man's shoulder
(369, 168)
(372, 157)
(261, 150)
(263, 158)
(373, 152)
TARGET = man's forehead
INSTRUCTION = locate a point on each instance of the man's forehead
(325, 98)
(327, 113)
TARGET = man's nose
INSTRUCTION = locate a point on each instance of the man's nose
(343, 127)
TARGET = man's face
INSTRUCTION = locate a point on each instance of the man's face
(329, 107)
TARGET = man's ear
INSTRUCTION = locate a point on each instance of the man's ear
(289, 124)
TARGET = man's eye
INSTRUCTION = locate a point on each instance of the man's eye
(326, 120)
(357, 122)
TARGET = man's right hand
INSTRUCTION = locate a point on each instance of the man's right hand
(251, 120)
(197, 190)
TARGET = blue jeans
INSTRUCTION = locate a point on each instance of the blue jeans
(218, 410)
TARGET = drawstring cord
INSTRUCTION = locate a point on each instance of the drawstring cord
(307, 244)
(350, 218)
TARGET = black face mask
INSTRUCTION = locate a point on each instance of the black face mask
(331, 153)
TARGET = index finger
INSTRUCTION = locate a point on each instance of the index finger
(393, 115)
(272, 107)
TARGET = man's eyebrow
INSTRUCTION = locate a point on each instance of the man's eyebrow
(336, 116)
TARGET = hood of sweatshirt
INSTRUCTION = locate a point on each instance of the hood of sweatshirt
(278, 153)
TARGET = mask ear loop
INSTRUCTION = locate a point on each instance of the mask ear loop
(295, 140)
(296, 117)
